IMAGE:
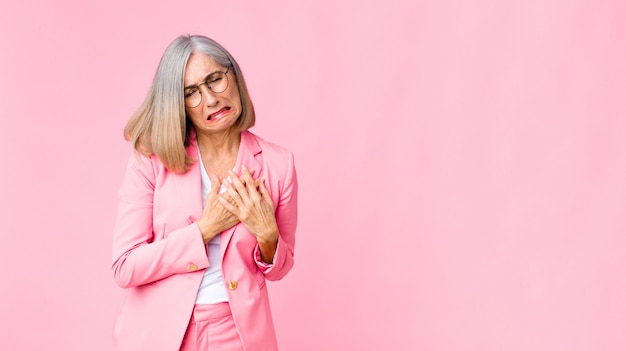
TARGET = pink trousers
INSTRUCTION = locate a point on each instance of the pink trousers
(211, 328)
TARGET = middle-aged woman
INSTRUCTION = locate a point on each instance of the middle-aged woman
(207, 211)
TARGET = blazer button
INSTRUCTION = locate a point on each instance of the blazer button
(193, 267)
(232, 285)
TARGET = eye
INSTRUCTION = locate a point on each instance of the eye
(216, 78)
(190, 92)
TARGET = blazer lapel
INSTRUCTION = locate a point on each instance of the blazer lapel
(249, 155)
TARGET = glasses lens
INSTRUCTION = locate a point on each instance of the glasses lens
(219, 83)
(193, 99)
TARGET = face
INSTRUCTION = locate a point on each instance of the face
(217, 112)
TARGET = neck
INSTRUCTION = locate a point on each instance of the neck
(218, 145)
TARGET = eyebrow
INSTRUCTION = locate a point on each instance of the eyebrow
(204, 80)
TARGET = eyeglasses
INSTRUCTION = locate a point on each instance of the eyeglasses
(216, 82)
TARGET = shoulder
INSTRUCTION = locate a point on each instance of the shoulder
(269, 148)
(146, 166)
(275, 156)
(278, 161)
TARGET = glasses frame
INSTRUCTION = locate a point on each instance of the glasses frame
(208, 85)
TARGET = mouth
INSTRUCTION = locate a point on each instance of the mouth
(218, 114)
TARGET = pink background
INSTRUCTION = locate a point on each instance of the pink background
(462, 165)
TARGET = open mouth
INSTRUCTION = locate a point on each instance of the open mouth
(217, 115)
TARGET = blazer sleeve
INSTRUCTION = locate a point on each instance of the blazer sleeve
(139, 256)
(286, 219)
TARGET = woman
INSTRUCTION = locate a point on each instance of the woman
(207, 211)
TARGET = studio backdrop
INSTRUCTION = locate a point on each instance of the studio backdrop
(462, 166)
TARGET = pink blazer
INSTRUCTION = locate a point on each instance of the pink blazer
(159, 255)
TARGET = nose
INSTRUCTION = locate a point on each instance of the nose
(209, 98)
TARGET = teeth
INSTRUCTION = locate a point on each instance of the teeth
(222, 111)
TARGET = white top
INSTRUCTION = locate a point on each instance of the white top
(212, 289)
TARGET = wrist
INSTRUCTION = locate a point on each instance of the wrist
(205, 229)
(267, 250)
(269, 238)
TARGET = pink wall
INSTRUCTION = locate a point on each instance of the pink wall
(462, 166)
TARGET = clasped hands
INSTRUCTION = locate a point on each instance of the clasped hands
(245, 200)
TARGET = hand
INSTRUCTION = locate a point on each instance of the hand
(215, 218)
(250, 201)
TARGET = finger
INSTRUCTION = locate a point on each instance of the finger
(264, 192)
(240, 170)
(233, 194)
(215, 183)
(237, 184)
(226, 196)
(251, 170)
(251, 185)
(228, 206)
(246, 175)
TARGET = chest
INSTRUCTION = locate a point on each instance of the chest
(218, 166)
